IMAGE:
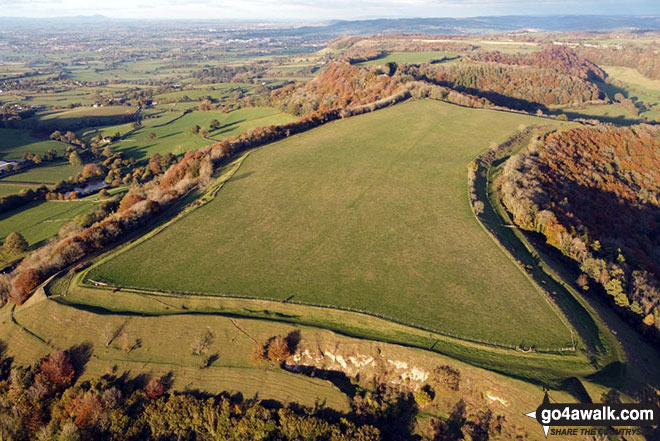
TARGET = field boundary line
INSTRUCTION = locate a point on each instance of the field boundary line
(507, 145)
(218, 296)
(611, 347)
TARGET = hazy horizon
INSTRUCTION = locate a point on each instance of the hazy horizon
(310, 10)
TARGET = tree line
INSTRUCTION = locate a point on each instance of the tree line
(594, 194)
(522, 82)
(644, 58)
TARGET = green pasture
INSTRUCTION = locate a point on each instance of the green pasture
(173, 130)
(79, 117)
(14, 143)
(369, 213)
(44, 173)
(165, 348)
(607, 113)
(9, 189)
(41, 220)
(637, 87)
(218, 92)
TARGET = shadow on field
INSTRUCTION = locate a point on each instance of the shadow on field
(228, 127)
(618, 120)
(137, 152)
(170, 134)
(242, 176)
(80, 355)
(610, 375)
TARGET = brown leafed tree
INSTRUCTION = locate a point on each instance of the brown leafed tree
(128, 201)
(278, 349)
(55, 373)
(24, 284)
(154, 388)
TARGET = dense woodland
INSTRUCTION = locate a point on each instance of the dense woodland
(557, 58)
(594, 194)
(339, 85)
(525, 82)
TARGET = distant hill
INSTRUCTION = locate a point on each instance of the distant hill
(332, 29)
(479, 25)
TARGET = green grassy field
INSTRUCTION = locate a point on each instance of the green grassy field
(9, 189)
(14, 143)
(81, 117)
(411, 57)
(60, 99)
(173, 134)
(638, 87)
(45, 173)
(41, 220)
(608, 113)
(165, 348)
(218, 91)
(363, 215)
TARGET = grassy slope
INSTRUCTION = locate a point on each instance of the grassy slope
(165, 348)
(218, 91)
(173, 130)
(359, 214)
(607, 113)
(41, 220)
(45, 173)
(85, 112)
(16, 142)
(638, 87)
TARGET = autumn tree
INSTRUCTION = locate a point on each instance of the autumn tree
(24, 284)
(55, 373)
(154, 388)
(278, 349)
(128, 201)
(202, 342)
(91, 171)
(15, 243)
(74, 159)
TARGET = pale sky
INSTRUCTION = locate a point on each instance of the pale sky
(319, 9)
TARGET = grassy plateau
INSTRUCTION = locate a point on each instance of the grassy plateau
(362, 215)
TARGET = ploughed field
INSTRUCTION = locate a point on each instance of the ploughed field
(369, 213)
